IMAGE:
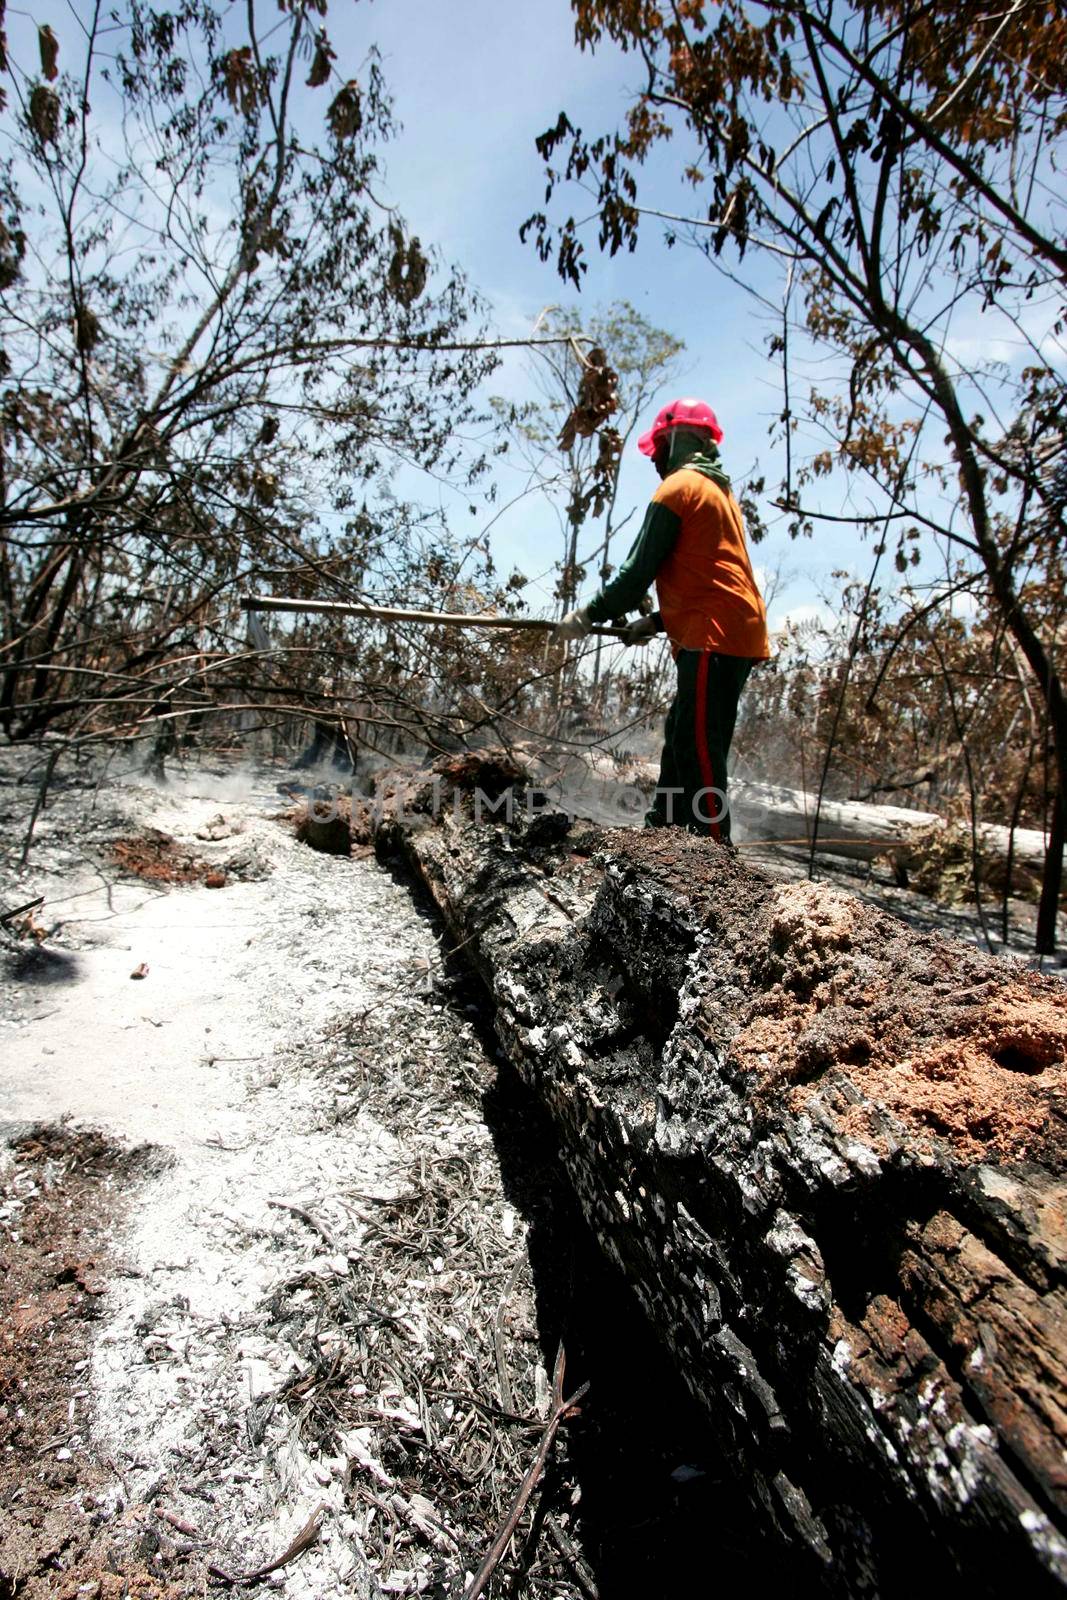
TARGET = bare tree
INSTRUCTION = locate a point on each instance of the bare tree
(576, 475)
(217, 339)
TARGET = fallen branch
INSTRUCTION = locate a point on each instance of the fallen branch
(561, 1410)
(826, 1152)
(305, 1216)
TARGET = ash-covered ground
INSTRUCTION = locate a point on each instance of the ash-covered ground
(299, 1310)
(286, 1049)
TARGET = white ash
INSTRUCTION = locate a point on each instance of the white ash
(267, 1050)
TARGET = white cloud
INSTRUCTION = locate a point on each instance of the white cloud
(965, 605)
(814, 612)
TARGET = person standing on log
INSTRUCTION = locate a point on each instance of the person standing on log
(692, 546)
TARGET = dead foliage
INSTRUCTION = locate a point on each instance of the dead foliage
(419, 1351)
(157, 858)
(939, 861)
(65, 1531)
(598, 399)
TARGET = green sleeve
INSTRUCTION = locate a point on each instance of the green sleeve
(635, 577)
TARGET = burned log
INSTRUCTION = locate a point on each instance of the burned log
(827, 1155)
(332, 822)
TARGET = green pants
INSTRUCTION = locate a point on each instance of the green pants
(700, 725)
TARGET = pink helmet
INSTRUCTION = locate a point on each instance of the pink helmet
(680, 414)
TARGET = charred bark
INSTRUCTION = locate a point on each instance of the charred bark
(827, 1155)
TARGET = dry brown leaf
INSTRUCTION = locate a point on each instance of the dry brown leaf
(49, 47)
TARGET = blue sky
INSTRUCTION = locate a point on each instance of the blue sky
(474, 84)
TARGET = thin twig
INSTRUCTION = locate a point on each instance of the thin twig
(507, 1399)
(306, 1537)
(31, 905)
(178, 1523)
(565, 1546)
(305, 1216)
(853, 651)
(38, 803)
(972, 791)
(561, 1409)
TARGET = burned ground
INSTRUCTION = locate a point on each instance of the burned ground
(67, 1525)
(350, 1286)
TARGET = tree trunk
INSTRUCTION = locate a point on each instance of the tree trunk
(1002, 580)
(1045, 941)
(826, 1152)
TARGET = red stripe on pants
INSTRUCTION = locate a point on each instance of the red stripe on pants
(707, 771)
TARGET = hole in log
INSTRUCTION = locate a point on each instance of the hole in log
(1012, 1059)
(332, 823)
(647, 989)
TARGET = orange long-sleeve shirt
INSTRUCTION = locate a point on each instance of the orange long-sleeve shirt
(708, 596)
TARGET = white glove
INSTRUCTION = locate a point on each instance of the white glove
(575, 625)
(642, 629)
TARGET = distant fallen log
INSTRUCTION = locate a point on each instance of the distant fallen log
(826, 1152)
(614, 793)
(857, 829)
